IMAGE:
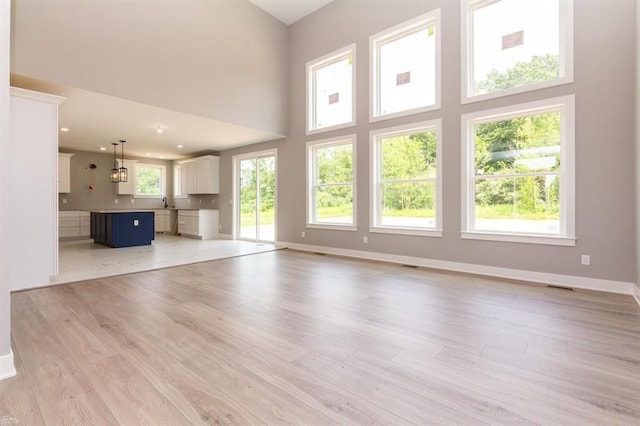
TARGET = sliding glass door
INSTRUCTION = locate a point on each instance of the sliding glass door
(255, 197)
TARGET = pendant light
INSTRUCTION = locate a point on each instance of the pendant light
(115, 173)
(123, 170)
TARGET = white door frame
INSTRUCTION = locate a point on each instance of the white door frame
(236, 159)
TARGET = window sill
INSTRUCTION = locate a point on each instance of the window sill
(406, 231)
(149, 196)
(518, 238)
(403, 113)
(330, 128)
(515, 90)
(181, 196)
(331, 226)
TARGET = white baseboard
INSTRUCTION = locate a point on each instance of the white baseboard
(571, 281)
(7, 368)
(636, 293)
(225, 237)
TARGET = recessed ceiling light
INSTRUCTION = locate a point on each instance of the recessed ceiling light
(159, 129)
(102, 148)
(180, 146)
(148, 154)
(64, 129)
(162, 158)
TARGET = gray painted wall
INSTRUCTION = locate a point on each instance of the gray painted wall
(605, 195)
(637, 122)
(220, 59)
(5, 181)
(104, 194)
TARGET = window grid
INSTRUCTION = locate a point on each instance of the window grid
(378, 182)
(315, 187)
(565, 174)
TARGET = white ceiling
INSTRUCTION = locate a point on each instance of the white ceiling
(95, 120)
(289, 11)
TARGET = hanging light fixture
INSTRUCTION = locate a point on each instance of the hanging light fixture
(115, 173)
(123, 175)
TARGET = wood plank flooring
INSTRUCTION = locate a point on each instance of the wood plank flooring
(287, 337)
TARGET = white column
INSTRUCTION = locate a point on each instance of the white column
(6, 356)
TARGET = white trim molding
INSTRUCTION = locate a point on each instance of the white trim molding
(7, 368)
(570, 281)
(636, 293)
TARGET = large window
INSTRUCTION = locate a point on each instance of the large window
(331, 183)
(405, 170)
(330, 91)
(177, 182)
(511, 46)
(405, 68)
(519, 173)
(150, 180)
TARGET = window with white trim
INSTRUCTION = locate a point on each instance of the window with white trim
(405, 179)
(330, 91)
(150, 180)
(331, 183)
(518, 173)
(177, 183)
(405, 68)
(512, 46)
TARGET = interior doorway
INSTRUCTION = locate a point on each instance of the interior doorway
(255, 196)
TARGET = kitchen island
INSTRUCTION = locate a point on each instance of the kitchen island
(122, 228)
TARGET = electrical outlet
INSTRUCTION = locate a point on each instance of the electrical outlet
(585, 259)
(189, 200)
(303, 234)
(365, 240)
(133, 201)
(116, 201)
(201, 201)
(213, 201)
(64, 201)
(220, 227)
(136, 222)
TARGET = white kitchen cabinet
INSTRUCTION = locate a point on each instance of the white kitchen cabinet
(64, 173)
(74, 224)
(33, 196)
(200, 175)
(164, 220)
(128, 187)
(202, 224)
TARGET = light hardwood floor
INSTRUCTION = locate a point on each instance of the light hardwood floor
(293, 338)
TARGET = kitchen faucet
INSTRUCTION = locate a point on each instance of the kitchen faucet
(164, 200)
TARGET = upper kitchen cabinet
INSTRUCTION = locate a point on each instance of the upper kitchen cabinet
(64, 173)
(200, 175)
(128, 187)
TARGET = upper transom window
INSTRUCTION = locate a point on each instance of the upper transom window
(512, 46)
(405, 64)
(330, 91)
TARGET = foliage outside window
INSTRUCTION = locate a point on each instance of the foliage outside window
(330, 91)
(257, 187)
(406, 192)
(516, 45)
(331, 191)
(520, 170)
(150, 180)
(405, 64)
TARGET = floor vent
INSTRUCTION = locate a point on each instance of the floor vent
(320, 254)
(410, 266)
(560, 287)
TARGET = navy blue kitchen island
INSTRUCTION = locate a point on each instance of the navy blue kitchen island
(122, 228)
